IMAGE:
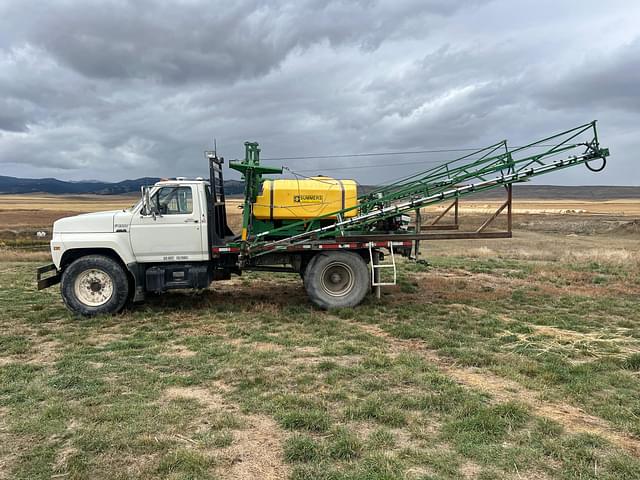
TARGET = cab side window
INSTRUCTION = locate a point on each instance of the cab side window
(173, 200)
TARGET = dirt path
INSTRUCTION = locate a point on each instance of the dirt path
(256, 451)
(573, 419)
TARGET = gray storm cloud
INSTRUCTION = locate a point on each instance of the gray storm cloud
(115, 90)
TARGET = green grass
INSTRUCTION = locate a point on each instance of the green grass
(302, 448)
(89, 398)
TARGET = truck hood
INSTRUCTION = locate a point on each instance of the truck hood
(98, 222)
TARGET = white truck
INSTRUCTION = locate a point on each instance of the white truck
(177, 237)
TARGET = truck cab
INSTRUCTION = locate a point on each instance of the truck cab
(172, 226)
(104, 260)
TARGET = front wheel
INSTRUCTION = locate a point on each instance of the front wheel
(336, 279)
(94, 285)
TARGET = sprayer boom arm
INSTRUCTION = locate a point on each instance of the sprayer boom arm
(485, 169)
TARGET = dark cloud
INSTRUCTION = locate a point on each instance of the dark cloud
(208, 41)
(610, 80)
(122, 89)
(14, 115)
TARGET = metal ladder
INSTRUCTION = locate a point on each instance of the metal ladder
(376, 267)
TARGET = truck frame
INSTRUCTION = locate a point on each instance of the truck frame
(177, 235)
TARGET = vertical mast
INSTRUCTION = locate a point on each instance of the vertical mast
(252, 175)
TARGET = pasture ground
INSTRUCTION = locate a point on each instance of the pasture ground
(512, 359)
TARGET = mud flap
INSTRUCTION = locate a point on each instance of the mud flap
(45, 282)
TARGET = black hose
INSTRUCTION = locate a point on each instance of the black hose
(604, 164)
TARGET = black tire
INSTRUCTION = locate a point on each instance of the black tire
(94, 285)
(307, 268)
(304, 267)
(337, 280)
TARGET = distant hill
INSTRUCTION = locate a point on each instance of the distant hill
(559, 192)
(14, 185)
(552, 192)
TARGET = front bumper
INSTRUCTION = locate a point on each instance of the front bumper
(47, 281)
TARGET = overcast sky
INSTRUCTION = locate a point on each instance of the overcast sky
(114, 90)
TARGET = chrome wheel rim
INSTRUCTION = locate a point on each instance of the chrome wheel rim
(93, 287)
(337, 279)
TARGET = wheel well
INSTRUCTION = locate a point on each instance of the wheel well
(363, 253)
(71, 256)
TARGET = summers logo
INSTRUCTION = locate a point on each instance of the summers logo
(308, 198)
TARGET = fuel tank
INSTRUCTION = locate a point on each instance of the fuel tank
(303, 199)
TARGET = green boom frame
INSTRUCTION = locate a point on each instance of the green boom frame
(491, 167)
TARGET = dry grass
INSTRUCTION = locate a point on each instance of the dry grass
(561, 252)
(65, 203)
(501, 389)
(623, 207)
(21, 216)
(24, 255)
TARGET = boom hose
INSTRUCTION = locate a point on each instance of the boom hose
(604, 164)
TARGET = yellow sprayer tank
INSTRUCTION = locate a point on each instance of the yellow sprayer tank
(304, 199)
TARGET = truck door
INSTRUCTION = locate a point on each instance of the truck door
(174, 235)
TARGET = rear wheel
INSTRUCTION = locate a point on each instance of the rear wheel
(94, 285)
(337, 279)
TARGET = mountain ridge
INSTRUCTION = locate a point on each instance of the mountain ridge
(16, 185)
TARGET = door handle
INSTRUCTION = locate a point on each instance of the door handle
(191, 220)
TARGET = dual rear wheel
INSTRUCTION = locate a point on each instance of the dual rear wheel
(336, 279)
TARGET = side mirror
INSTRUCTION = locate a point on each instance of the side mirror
(147, 208)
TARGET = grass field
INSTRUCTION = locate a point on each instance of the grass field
(515, 359)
